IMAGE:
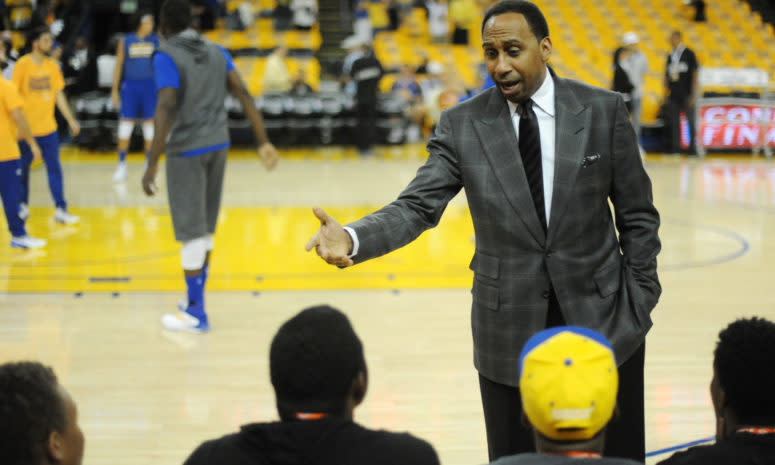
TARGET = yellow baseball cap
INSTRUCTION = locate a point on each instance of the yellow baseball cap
(568, 381)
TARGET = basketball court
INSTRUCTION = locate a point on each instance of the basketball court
(90, 303)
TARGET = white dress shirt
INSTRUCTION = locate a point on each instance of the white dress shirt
(543, 105)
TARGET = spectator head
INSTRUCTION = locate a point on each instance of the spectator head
(744, 376)
(630, 39)
(143, 23)
(40, 40)
(38, 418)
(675, 39)
(447, 99)
(568, 380)
(317, 366)
(175, 17)
(406, 72)
(352, 43)
(517, 47)
(281, 50)
(300, 76)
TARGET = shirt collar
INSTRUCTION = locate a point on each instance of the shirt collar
(543, 99)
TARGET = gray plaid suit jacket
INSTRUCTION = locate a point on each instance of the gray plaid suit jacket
(602, 282)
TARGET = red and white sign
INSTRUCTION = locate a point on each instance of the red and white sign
(736, 126)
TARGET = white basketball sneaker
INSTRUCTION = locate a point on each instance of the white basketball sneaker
(185, 321)
(27, 242)
(120, 174)
(62, 216)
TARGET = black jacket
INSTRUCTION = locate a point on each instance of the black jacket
(330, 441)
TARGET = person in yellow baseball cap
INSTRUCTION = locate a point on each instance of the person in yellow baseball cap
(568, 380)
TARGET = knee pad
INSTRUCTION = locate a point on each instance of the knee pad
(210, 242)
(193, 252)
(148, 130)
(125, 128)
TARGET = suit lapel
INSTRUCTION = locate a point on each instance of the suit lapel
(571, 120)
(496, 134)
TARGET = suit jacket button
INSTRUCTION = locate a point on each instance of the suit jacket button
(545, 294)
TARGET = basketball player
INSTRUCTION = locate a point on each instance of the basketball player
(193, 76)
(11, 118)
(40, 83)
(138, 92)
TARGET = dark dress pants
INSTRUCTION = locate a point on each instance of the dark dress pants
(673, 110)
(366, 112)
(508, 433)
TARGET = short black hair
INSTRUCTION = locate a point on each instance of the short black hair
(535, 19)
(31, 407)
(34, 34)
(175, 16)
(137, 18)
(314, 359)
(744, 362)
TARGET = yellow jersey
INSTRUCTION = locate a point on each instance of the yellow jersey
(38, 85)
(9, 101)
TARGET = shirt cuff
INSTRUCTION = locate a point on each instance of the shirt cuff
(354, 238)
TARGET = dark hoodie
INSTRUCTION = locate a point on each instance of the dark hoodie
(200, 119)
(330, 441)
(740, 449)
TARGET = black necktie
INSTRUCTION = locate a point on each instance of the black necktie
(530, 149)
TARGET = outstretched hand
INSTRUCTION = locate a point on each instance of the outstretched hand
(332, 243)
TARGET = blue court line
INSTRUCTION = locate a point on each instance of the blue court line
(744, 246)
(680, 446)
(110, 279)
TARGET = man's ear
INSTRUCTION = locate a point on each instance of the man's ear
(55, 446)
(546, 48)
(359, 387)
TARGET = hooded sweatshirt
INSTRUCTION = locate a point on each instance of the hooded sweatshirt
(200, 119)
(329, 441)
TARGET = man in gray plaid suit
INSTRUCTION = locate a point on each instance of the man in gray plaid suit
(539, 158)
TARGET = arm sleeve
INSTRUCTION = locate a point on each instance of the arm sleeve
(637, 220)
(57, 80)
(420, 205)
(165, 73)
(10, 98)
(227, 56)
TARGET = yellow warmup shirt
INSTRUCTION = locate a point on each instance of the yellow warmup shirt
(38, 84)
(9, 101)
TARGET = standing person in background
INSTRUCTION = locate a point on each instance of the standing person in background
(137, 97)
(366, 73)
(636, 65)
(193, 76)
(681, 73)
(40, 84)
(12, 121)
(276, 75)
